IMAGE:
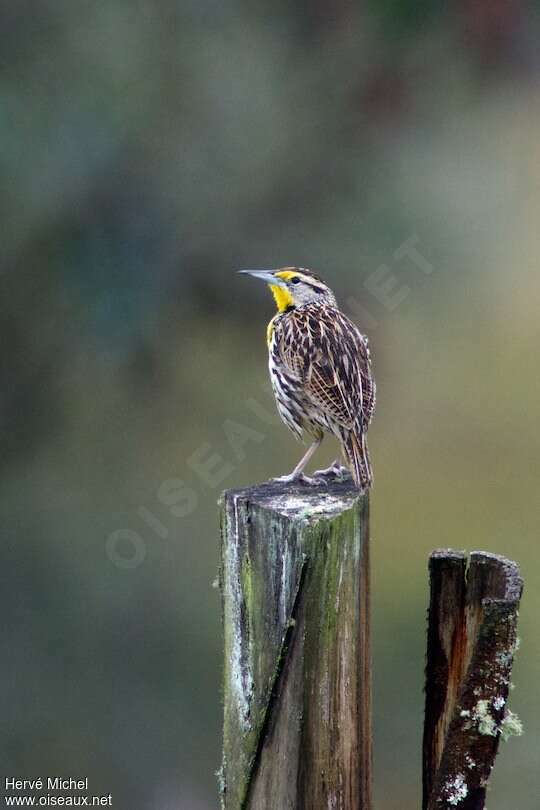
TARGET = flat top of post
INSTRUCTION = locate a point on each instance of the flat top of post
(300, 500)
(502, 576)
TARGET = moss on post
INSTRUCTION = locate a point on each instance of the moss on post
(297, 702)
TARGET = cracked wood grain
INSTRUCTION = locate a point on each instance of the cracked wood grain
(297, 676)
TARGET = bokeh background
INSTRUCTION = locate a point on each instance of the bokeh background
(149, 149)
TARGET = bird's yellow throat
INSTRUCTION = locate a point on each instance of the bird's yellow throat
(282, 297)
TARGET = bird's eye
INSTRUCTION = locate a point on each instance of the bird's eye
(295, 280)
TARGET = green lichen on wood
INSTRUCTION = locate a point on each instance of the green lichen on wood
(511, 726)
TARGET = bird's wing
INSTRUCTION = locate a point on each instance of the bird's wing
(330, 357)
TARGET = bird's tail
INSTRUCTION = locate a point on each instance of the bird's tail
(357, 455)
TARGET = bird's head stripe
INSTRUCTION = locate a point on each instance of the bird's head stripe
(306, 276)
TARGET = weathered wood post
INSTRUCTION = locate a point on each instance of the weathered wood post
(297, 681)
(472, 628)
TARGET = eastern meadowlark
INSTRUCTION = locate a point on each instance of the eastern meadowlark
(320, 369)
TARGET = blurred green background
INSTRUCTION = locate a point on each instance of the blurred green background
(149, 149)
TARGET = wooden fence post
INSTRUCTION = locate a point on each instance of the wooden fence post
(471, 643)
(297, 681)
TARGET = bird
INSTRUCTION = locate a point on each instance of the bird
(320, 369)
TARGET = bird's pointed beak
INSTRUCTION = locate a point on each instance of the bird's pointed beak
(265, 275)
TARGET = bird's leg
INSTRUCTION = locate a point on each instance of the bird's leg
(297, 474)
(335, 470)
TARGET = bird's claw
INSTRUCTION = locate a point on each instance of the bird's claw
(335, 471)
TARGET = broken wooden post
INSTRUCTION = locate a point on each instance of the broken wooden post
(297, 682)
(471, 643)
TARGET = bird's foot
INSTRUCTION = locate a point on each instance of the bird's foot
(334, 471)
(299, 478)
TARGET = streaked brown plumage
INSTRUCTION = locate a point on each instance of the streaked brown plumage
(320, 369)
